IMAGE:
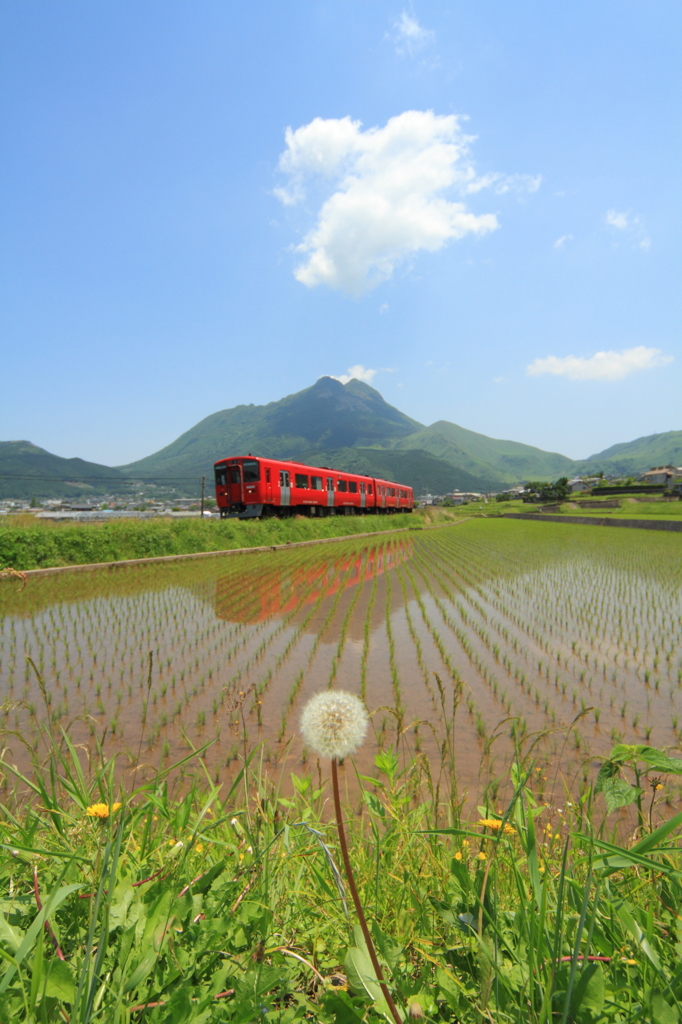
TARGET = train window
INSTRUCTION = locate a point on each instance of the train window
(251, 473)
(352, 487)
(267, 475)
(316, 483)
(369, 488)
(392, 491)
(330, 483)
(221, 476)
(362, 488)
(235, 476)
(342, 485)
(301, 480)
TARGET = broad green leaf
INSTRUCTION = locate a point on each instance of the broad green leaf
(617, 792)
(388, 947)
(340, 1005)
(10, 936)
(650, 755)
(362, 977)
(60, 983)
(123, 896)
(661, 1010)
(588, 995)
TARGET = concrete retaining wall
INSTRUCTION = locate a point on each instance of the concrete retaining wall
(635, 524)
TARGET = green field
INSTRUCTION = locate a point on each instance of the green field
(505, 665)
(36, 544)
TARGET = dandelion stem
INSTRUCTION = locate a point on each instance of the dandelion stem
(356, 898)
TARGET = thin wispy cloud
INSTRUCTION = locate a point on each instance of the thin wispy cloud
(386, 194)
(602, 365)
(617, 220)
(409, 36)
(625, 221)
(561, 242)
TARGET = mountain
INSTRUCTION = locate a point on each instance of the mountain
(637, 456)
(486, 457)
(328, 416)
(350, 426)
(27, 470)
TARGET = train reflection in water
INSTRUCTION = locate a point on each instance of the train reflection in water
(284, 589)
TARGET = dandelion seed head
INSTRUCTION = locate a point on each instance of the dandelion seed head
(334, 723)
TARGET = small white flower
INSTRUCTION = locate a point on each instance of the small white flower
(334, 723)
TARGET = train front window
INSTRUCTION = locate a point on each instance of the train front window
(251, 471)
(235, 478)
(221, 476)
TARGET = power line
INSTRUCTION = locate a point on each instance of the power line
(101, 479)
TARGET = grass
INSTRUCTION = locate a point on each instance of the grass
(35, 544)
(194, 901)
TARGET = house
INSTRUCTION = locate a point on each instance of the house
(660, 474)
(583, 483)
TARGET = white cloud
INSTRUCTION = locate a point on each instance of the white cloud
(561, 242)
(386, 200)
(383, 308)
(358, 372)
(602, 365)
(503, 183)
(409, 36)
(617, 220)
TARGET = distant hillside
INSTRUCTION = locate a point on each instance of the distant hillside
(350, 426)
(27, 470)
(637, 456)
(415, 467)
(486, 457)
(328, 416)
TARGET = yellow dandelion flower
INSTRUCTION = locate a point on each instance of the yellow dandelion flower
(496, 825)
(481, 856)
(458, 856)
(659, 785)
(101, 811)
(631, 963)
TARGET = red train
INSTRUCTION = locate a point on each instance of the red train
(251, 488)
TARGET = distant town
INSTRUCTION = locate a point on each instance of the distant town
(663, 480)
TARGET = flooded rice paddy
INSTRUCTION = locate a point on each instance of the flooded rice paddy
(464, 641)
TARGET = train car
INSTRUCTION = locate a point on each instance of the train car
(252, 488)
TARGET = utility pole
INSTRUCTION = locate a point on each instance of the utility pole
(203, 488)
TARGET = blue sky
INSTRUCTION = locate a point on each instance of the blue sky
(203, 205)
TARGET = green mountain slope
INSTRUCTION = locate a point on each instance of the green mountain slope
(637, 456)
(417, 468)
(487, 457)
(352, 427)
(27, 470)
(328, 415)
